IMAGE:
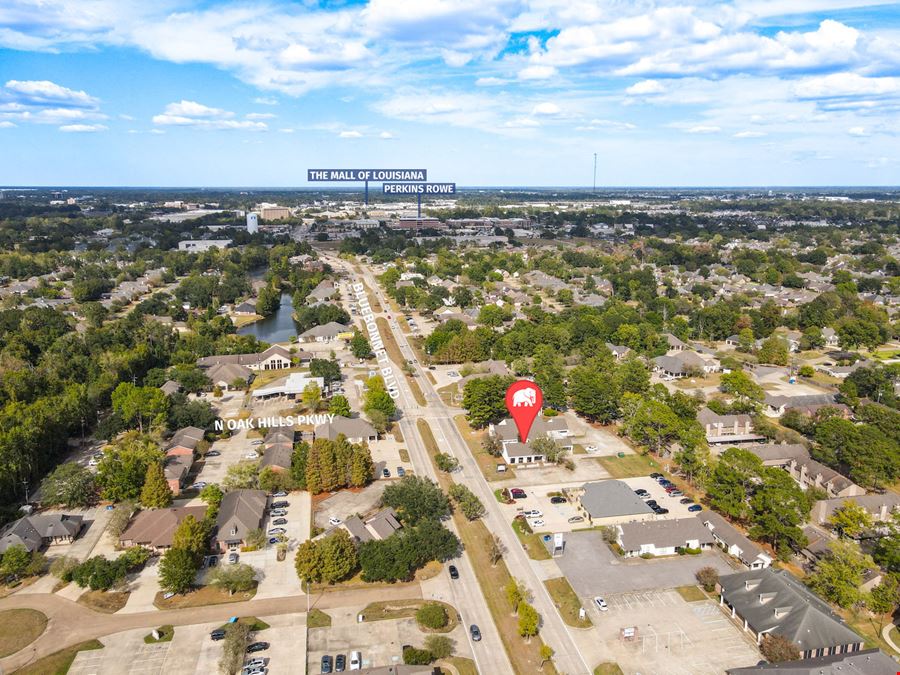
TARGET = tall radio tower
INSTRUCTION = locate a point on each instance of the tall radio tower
(595, 173)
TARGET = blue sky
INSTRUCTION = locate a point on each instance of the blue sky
(480, 92)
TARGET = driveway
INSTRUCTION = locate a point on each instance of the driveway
(347, 502)
(593, 569)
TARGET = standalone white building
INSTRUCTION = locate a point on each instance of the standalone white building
(252, 223)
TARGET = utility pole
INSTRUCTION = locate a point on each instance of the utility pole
(595, 173)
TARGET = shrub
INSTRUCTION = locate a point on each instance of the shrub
(647, 556)
(440, 646)
(417, 657)
(708, 577)
(432, 615)
(777, 648)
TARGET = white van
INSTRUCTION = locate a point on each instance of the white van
(355, 661)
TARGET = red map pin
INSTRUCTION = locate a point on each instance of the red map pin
(524, 401)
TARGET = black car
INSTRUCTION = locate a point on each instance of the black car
(641, 491)
(217, 634)
(340, 663)
(557, 500)
(661, 511)
(652, 503)
(257, 647)
(326, 664)
(279, 505)
(475, 632)
(656, 475)
(454, 573)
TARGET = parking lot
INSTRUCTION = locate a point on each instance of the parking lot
(555, 516)
(593, 569)
(672, 636)
(386, 455)
(191, 651)
(347, 502)
(658, 493)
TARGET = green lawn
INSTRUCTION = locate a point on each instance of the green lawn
(463, 665)
(19, 628)
(691, 593)
(318, 619)
(608, 669)
(166, 633)
(566, 602)
(629, 466)
(531, 541)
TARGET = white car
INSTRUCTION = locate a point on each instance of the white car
(334, 520)
(251, 455)
(276, 531)
(537, 523)
(532, 513)
(355, 661)
(601, 604)
(591, 448)
(258, 442)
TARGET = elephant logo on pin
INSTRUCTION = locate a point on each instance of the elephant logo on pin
(524, 397)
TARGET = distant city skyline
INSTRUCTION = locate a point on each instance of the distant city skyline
(748, 93)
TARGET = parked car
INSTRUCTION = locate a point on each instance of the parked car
(454, 573)
(355, 661)
(641, 491)
(213, 453)
(532, 513)
(259, 442)
(255, 663)
(334, 520)
(661, 511)
(279, 505)
(591, 448)
(280, 521)
(276, 530)
(401, 471)
(254, 670)
(686, 500)
(475, 632)
(280, 493)
(251, 455)
(232, 558)
(326, 664)
(676, 493)
(340, 663)
(257, 647)
(274, 540)
(694, 508)
(576, 519)
(517, 493)
(558, 500)
(656, 476)
(198, 486)
(651, 503)
(601, 604)
(537, 523)
(217, 634)
(278, 512)
(385, 473)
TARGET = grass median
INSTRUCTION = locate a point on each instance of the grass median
(58, 663)
(394, 354)
(567, 602)
(19, 628)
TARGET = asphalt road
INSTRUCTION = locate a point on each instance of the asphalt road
(554, 632)
(465, 593)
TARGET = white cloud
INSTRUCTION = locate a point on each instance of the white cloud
(286, 130)
(546, 108)
(490, 82)
(82, 128)
(197, 115)
(608, 124)
(750, 134)
(537, 72)
(703, 129)
(44, 92)
(259, 116)
(350, 134)
(857, 131)
(263, 100)
(6, 125)
(645, 88)
(386, 135)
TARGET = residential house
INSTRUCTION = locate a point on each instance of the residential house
(170, 387)
(328, 332)
(515, 452)
(808, 472)
(185, 441)
(662, 537)
(609, 502)
(176, 469)
(880, 507)
(831, 337)
(246, 308)
(674, 344)
(842, 372)
(684, 364)
(865, 662)
(776, 405)
(734, 542)
(376, 528)
(619, 352)
(773, 601)
(356, 429)
(278, 450)
(730, 429)
(275, 357)
(35, 531)
(240, 512)
(227, 376)
(156, 529)
(320, 293)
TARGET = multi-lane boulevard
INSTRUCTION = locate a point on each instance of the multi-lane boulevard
(554, 632)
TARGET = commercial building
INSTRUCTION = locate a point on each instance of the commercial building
(273, 212)
(240, 512)
(252, 223)
(735, 543)
(201, 245)
(663, 537)
(609, 502)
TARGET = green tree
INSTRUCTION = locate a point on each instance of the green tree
(241, 476)
(211, 495)
(514, 593)
(546, 654)
(484, 399)
(778, 649)
(69, 485)
(850, 519)
(594, 394)
(468, 501)
(122, 470)
(140, 404)
(778, 509)
(309, 561)
(547, 367)
(432, 615)
(16, 561)
(155, 493)
(528, 620)
(838, 576)
(377, 397)
(275, 481)
(651, 423)
(415, 498)
(234, 578)
(339, 405)
(312, 396)
(177, 570)
(440, 646)
(884, 598)
(192, 535)
(773, 350)
(360, 347)
(742, 387)
(339, 557)
(446, 462)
